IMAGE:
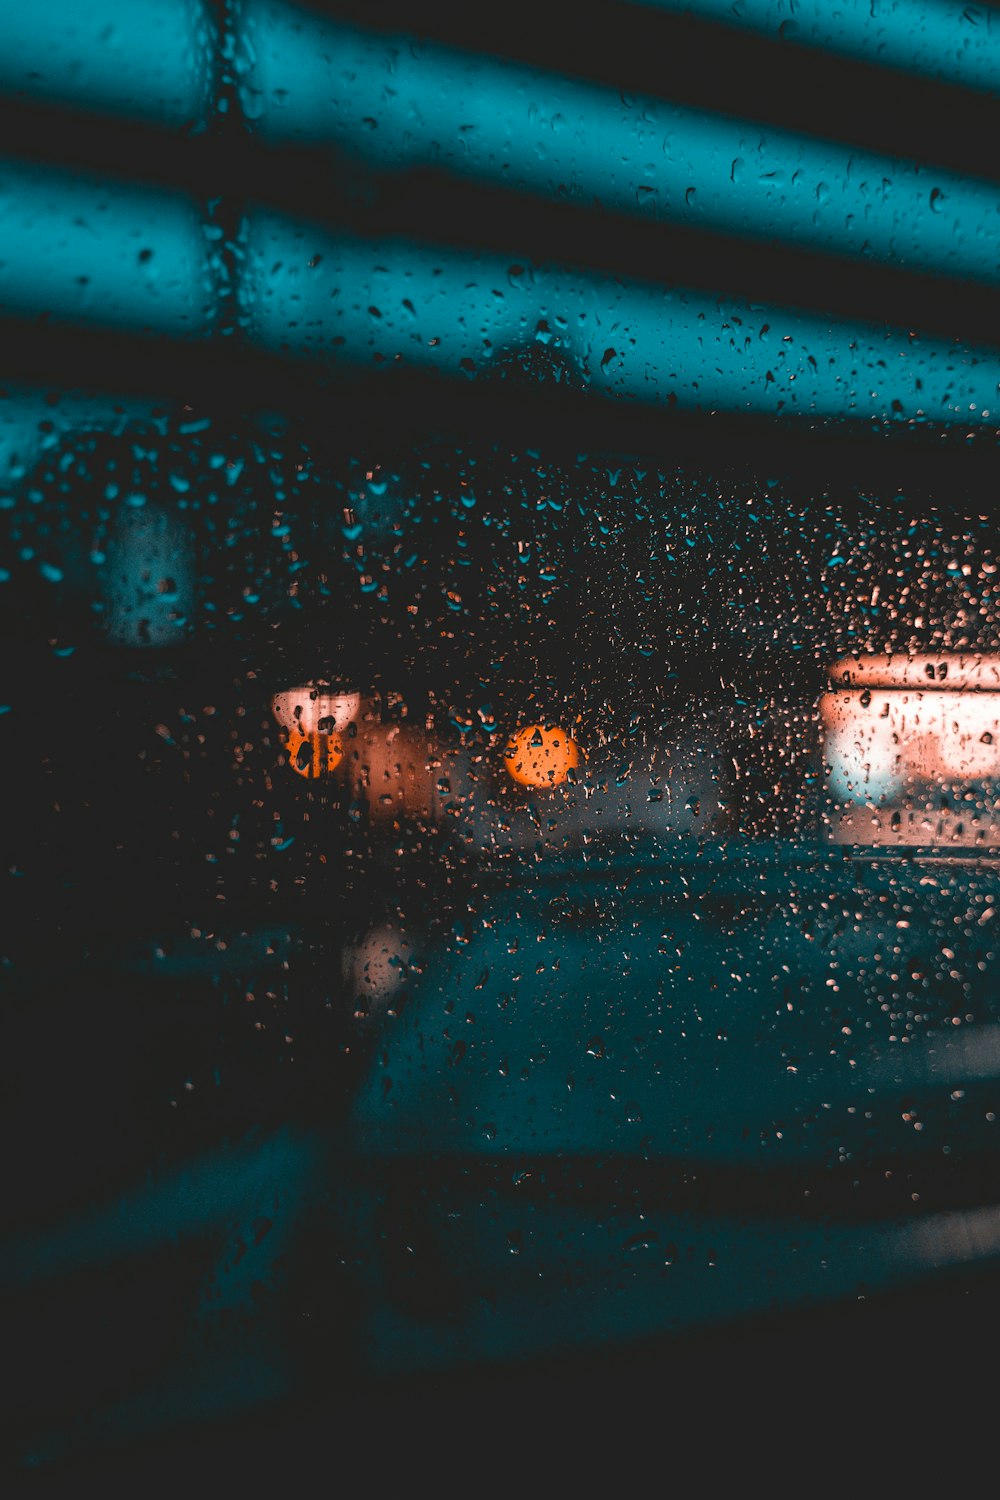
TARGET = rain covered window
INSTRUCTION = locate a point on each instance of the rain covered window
(501, 706)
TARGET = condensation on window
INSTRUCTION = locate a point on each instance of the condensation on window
(501, 726)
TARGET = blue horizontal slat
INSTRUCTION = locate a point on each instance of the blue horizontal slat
(944, 39)
(384, 302)
(92, 252)
(149, 59)
(397, 103)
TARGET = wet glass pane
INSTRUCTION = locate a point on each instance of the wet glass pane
(501, 715)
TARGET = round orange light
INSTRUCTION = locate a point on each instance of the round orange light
(314, 755)
(541, 755)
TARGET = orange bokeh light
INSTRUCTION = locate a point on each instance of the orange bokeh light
(314, 755)
(541, 755)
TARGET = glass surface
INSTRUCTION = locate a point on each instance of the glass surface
(500, 719)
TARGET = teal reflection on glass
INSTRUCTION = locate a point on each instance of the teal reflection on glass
(400, 103)
(943, 39)
(86, 250)
(146, 58)
(382, 303)
(148, 577)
